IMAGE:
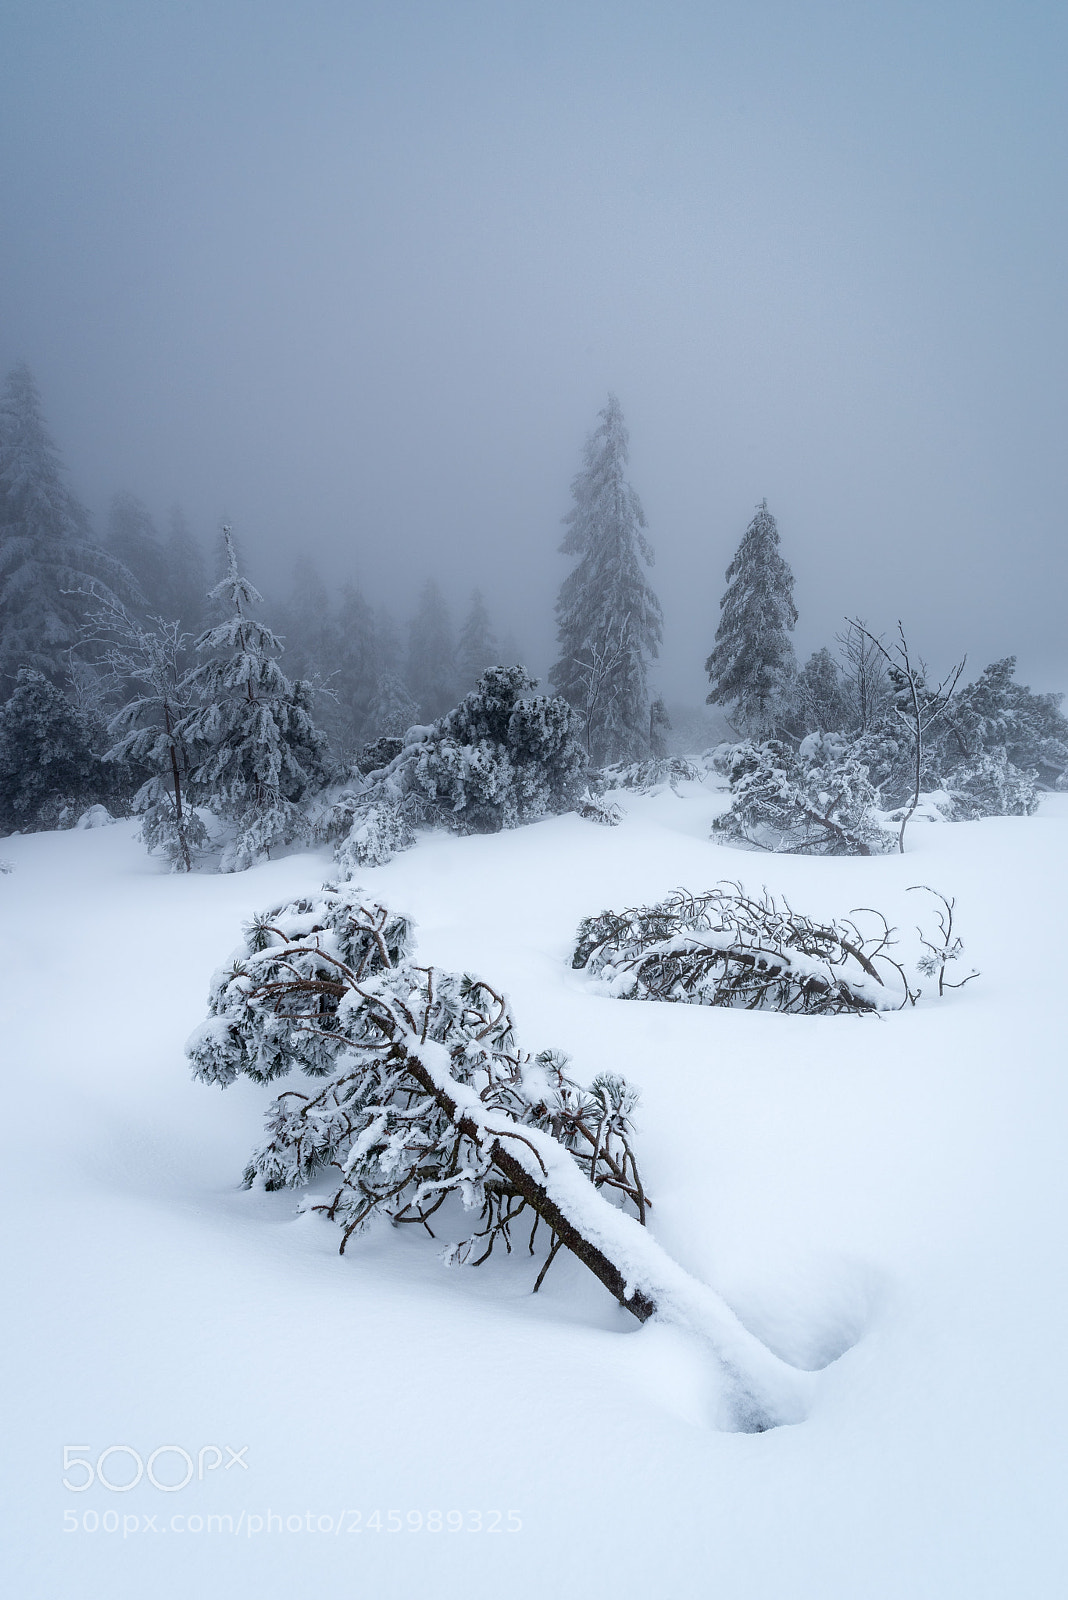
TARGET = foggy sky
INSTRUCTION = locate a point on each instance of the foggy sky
(360, 276)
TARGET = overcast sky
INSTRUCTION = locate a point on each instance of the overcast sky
(359, 277)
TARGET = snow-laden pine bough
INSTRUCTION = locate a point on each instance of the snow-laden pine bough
(729, 948)
(426, 1095)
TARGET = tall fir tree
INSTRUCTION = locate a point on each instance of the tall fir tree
(477, 647)
(48, 559)
(609, 622)
(432, 655)
(258, 753)
(133, 540)
(752, 667)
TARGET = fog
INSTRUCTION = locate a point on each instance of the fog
(359, 277)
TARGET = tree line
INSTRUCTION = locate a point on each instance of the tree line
(131, 674)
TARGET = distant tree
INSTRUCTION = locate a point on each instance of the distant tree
(48, 768)
(477, 648)
(258, 753)
(864, 683)
(355, 669)
(133, 540)
(393, 711)
(146, 662)
(996, 714)
(752, 666)
(431, 655)
(918, 707)
(47, 557)
(821, 701)
(609, 622)
(187, 575)
(659, 728)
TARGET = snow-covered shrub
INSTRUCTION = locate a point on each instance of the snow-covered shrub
(595, 808)
(995, 713)
(95, 817)
(818, 799)
(641, 776)
(501, 758)
(990, 786)
(376, 833)
(727, 948)
(422, 1076)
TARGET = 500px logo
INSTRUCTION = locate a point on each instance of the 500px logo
(120, 1468)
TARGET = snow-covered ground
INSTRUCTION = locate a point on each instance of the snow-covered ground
(883, 1201)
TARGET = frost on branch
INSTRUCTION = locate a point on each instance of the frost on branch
(727, 948)
(643, 776)
(418, 1092)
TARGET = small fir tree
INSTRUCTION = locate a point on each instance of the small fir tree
(149, 658)
(609, 622)
(752, 666)
(258, 753)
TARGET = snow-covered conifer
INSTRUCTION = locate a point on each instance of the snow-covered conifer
(420, 1096)
(752, 667)
(257, 752)
(501, 758)
(48, 769)
(822, 706)
(609, 623)
(817, 800)
(47, 557)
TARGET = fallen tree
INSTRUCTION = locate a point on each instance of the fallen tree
(427, 1096)
(728, 948)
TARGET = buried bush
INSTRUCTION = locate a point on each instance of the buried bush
(728, 948)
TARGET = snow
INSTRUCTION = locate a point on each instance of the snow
(882, 1202)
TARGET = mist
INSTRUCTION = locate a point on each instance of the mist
(359, 278)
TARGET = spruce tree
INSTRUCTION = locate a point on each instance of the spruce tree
(609, 622)
(752, 667)
(47, 557)
(432, 655)
(258, 753)
(477, 648)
